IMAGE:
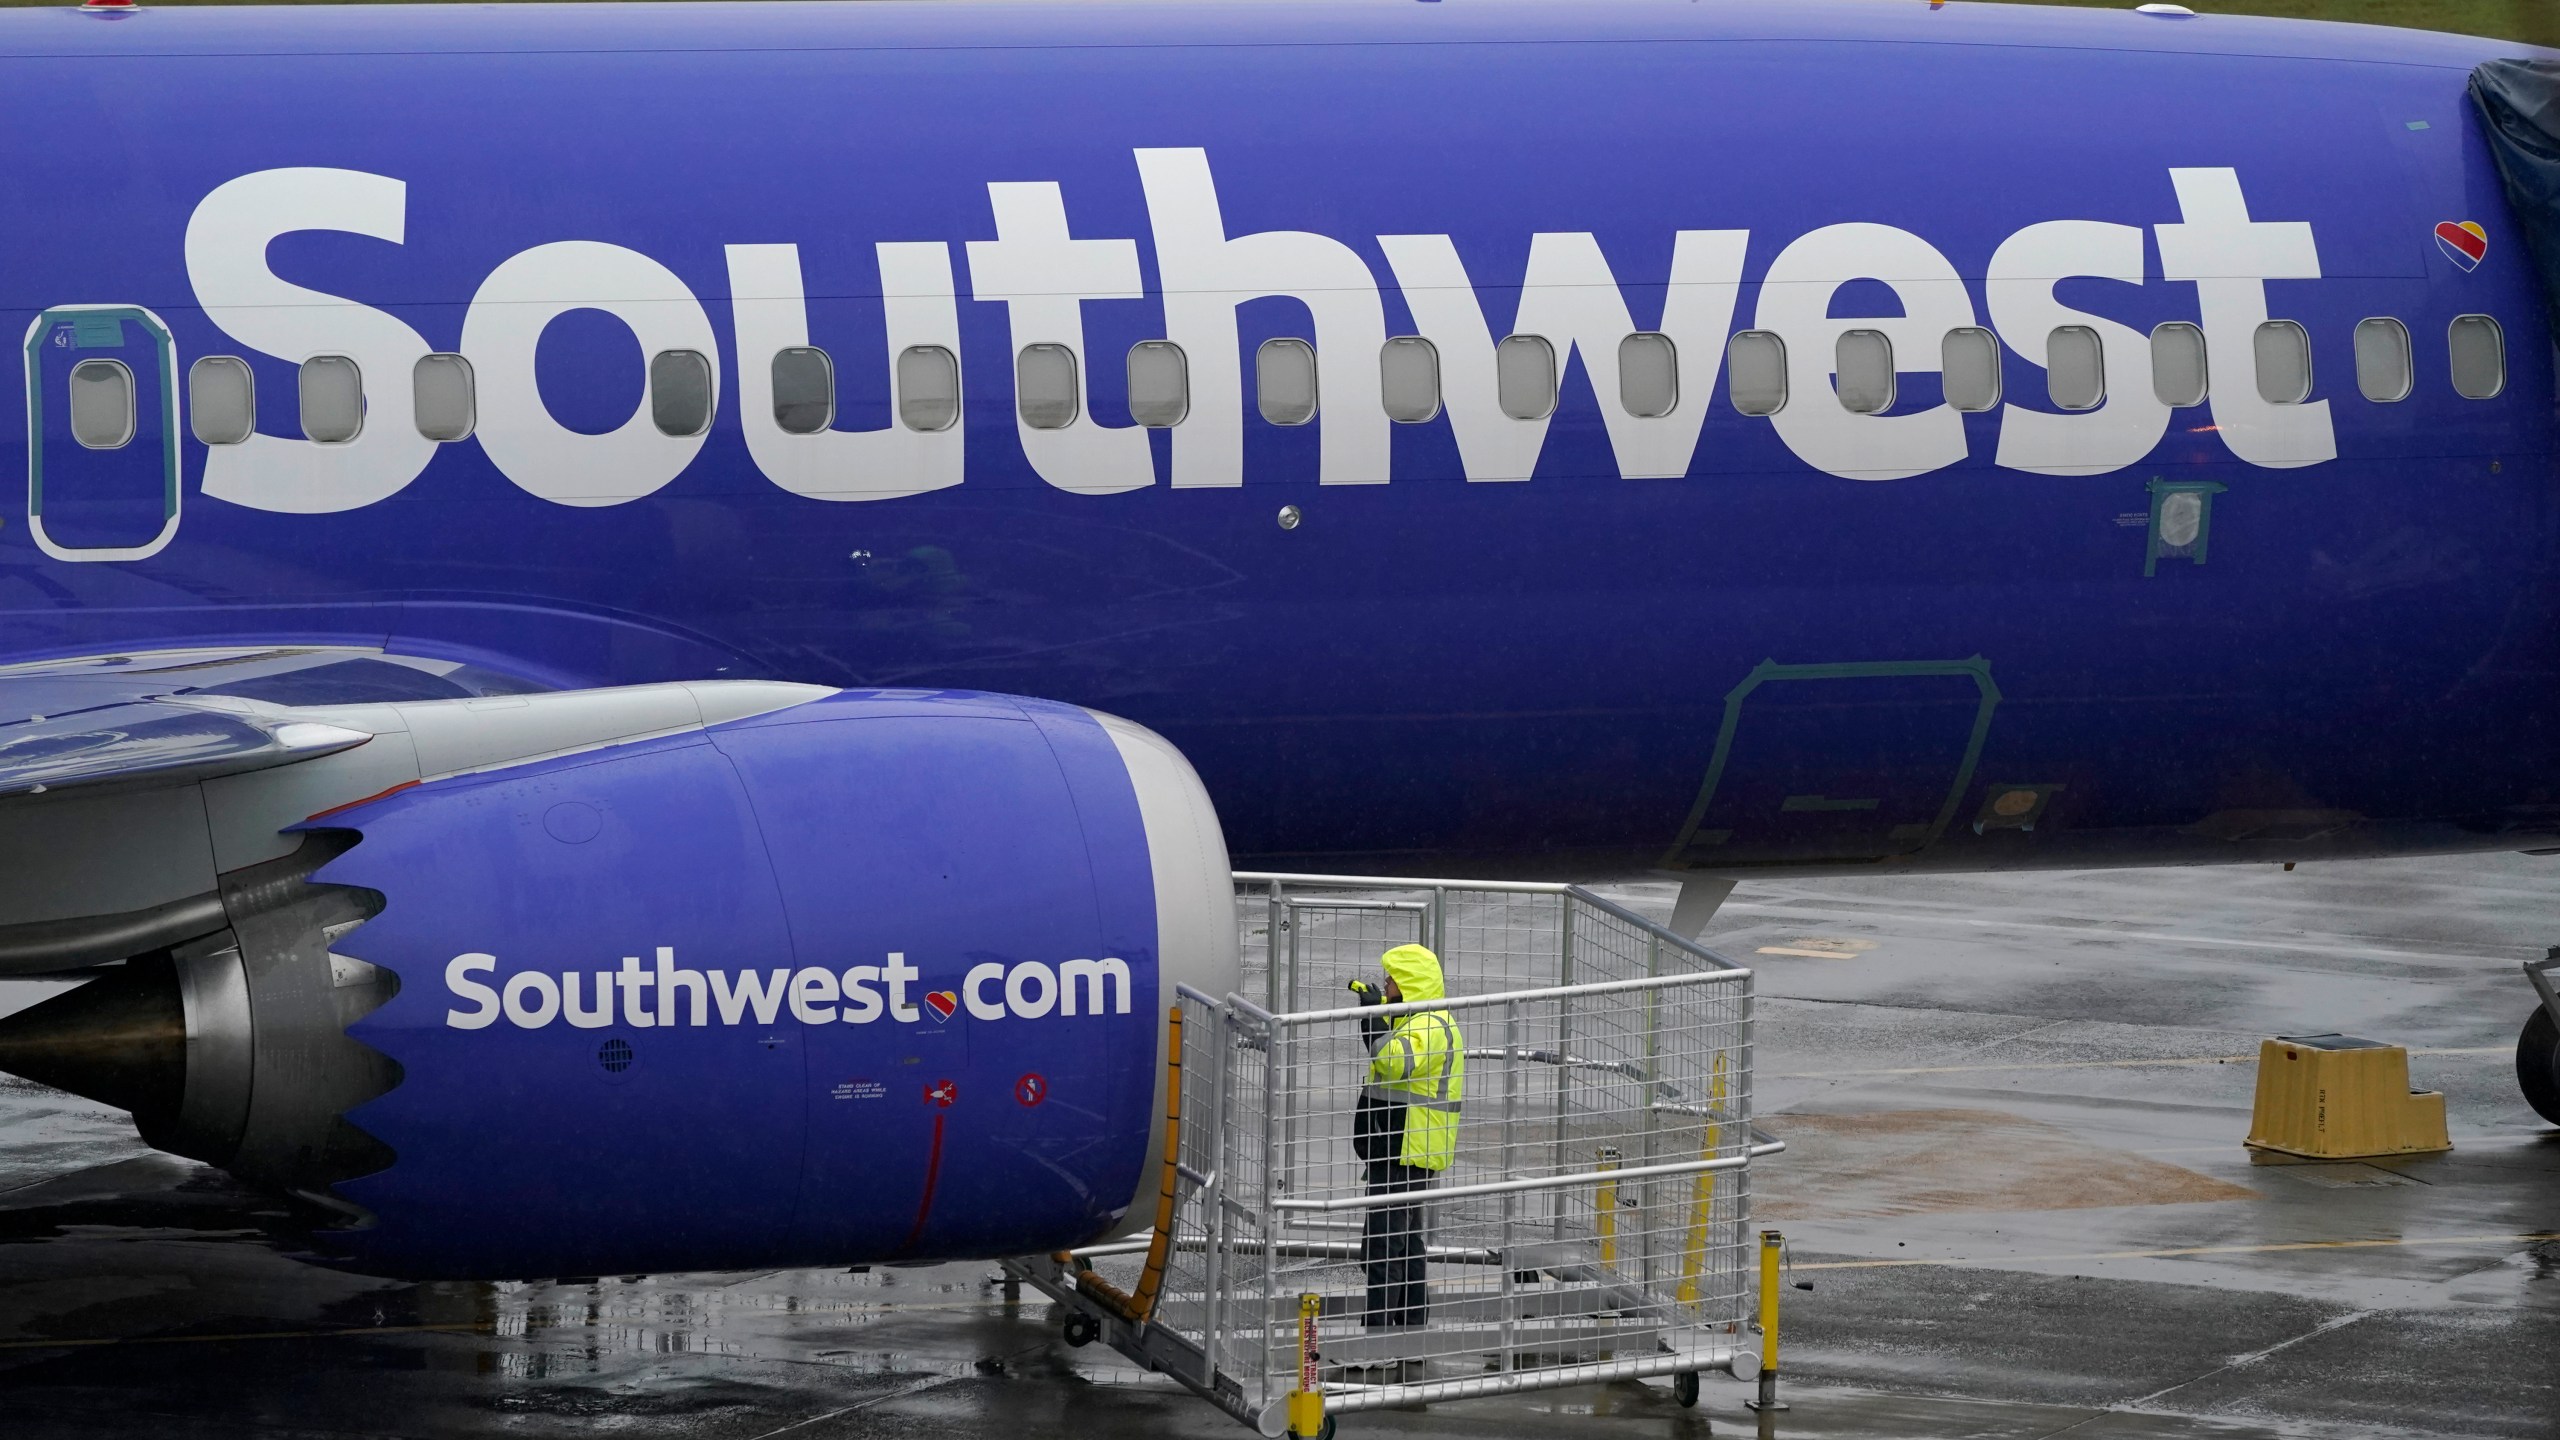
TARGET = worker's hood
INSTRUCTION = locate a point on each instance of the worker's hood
(1416, 972)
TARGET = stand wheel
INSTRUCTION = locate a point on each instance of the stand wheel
(2538, 1064)
(1083, 1329)
(1684, 1388)
(1325, 1431)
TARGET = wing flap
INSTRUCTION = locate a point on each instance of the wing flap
(156, 741)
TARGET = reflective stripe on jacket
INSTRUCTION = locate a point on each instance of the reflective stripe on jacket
(1421, 1064)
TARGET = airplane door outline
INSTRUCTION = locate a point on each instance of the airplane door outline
(1682, 856)
(171, 496)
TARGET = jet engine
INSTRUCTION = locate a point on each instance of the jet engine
(876, 976)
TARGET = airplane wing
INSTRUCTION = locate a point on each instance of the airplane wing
(176, 715)
(155, 740)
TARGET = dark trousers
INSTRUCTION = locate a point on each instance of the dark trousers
(1391, 1249)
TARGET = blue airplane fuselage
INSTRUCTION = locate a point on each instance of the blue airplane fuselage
(2258, 627)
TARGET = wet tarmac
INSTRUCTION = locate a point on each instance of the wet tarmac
(2014, 1108)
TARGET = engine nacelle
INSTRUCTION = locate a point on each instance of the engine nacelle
(881, 977)
(878, 977)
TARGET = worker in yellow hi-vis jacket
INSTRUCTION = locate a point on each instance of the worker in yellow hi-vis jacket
(1406, 1128)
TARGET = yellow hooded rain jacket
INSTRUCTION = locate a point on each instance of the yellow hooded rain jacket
(1421, 1062)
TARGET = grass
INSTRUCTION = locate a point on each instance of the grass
(2536, 21)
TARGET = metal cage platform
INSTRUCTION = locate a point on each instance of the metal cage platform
(1592, 1225)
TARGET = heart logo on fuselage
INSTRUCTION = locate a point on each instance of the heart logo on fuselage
(2464, 242)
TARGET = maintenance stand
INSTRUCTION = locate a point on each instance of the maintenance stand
(1594, 1225)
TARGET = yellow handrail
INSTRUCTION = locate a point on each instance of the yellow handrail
(1702, 1203)
(1151, 1279)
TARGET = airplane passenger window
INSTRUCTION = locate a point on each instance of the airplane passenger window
(1755, 372)
(101, 404)
(1648, 375)
(222, 400)
(2385, 372)
(680, 392)
(1409, 379)
(2284, 362)
(448, 405)
(1284, 381)
(2479, 357)
(1969, 360)
(929, 388)
(1159, 384)
(1524, 377)
(2178, 375)
(331, 388)
(1864, 362)
(2075, 368)
(804, 390)
(1044, 386)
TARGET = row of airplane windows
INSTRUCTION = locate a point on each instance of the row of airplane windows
(222, 394)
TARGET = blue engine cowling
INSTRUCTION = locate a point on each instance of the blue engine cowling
(879, 977)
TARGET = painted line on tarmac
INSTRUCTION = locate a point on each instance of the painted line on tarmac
(472, 1328)
(2529, 1237)
(2090, 1064)
(931, 1382)
(2242, 1362)
(2469, 1144)
(2111, 932)
(935, 1382)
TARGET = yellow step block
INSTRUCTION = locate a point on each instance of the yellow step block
(2336, 1097)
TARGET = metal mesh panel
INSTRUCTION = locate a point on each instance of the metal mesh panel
(1587, 1086)
(1188, 1281)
